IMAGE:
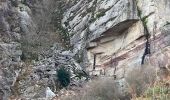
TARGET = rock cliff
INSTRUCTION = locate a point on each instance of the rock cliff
(118, 35)
(103, 38)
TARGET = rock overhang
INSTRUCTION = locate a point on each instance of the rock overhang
(115, 18)
(116, 30)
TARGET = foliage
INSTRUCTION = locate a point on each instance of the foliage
(56, 22)
(138, 79)
(97, 90)
(160, 90)
(63, 77)
(144, 21)
(157, 89)
(100, 14)
(142, 86)
(38, 34)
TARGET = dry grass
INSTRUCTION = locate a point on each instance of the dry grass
(149, 84)
(143, 84)
(160, 90)
(100, 89)
(140, 78)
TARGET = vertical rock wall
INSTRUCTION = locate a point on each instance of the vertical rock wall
(114, 34)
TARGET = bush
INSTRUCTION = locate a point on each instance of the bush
(100, 89)
(139, 79)
(156, 90)
(63, 77)
(160, 90)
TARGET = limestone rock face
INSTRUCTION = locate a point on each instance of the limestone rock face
(89, 19)
(10, 51)
(114, 34)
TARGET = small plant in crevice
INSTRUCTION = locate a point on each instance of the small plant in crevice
(100, 14)
(63, 77)
(144, 21)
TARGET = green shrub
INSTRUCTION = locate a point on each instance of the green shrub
(63, 77)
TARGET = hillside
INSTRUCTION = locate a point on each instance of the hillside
(97, 49)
